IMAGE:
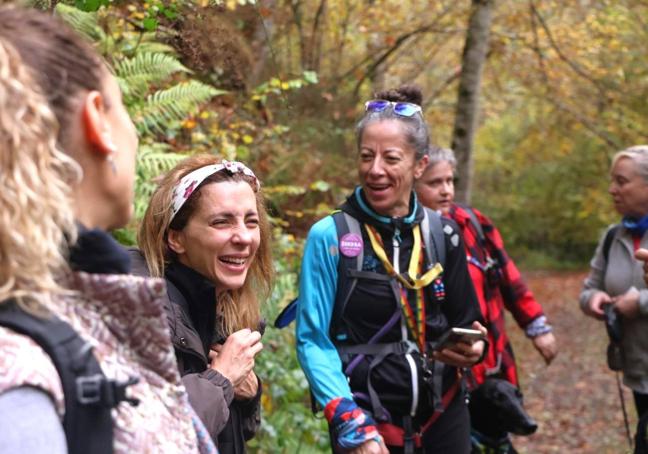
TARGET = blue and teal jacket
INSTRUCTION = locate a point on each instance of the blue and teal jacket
(372, 304)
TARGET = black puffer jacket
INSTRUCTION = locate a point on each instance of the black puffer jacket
(191, 314)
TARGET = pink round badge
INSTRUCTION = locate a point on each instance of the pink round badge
(351, 245)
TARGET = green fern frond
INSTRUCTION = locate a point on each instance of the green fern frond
(133, 89)
(82, 22)
(153, 160)
(136, 43)
(149, 67)
(171, 104)
(155, 47)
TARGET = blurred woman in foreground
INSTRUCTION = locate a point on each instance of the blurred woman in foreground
(71, 191)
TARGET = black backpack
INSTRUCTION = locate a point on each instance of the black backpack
(89, 394)
(350, 268)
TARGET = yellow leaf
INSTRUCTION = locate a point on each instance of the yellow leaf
(189, 123)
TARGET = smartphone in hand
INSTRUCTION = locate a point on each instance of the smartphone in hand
(456, 335)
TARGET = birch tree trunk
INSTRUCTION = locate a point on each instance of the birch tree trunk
(474, 56)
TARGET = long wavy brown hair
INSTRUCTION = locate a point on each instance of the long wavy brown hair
(36, 209)
(239, 308)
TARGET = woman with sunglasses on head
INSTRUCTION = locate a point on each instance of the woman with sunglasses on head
(368, 349)
(96, 386)
(206, 232)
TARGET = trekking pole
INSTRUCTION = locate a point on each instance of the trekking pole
(623, 408)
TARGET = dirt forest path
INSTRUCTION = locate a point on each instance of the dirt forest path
(575, 401)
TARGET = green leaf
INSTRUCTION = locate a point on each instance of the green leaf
(320, 185)
(150, 23)
(170, 13)
(311, 77)
(88, 5)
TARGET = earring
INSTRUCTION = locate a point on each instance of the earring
(111, 161)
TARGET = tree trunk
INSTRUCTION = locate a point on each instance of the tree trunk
(474, 56)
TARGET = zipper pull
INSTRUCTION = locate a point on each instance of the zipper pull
(396, 239)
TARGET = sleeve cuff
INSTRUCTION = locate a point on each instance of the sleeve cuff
(252, 403)
(351, 425)
(538, 327)
(217, 379)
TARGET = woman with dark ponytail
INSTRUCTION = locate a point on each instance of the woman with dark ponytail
(381, 281)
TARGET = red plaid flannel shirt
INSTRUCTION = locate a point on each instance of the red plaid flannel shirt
(510, 293)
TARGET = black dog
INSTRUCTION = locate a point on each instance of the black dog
(495, 411)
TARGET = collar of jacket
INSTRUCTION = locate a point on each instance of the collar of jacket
(96, 252)
(358, 207)
(195, 287)
(183, 333)
(200, 297)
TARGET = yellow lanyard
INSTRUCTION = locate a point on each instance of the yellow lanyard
(412, 281)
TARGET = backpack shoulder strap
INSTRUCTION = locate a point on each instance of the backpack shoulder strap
(347, 280)
(472, 217)
(347, 266)
(607, 242)
(89, 395)
(432, 232)
(476, 224)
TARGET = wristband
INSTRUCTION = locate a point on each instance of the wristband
(538, 327)
(352, 426)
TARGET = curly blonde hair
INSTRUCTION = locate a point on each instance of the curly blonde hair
(237, 309)
(36, 209)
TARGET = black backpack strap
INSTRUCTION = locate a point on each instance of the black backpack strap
(348, 271)
(432, 232)
(607, 241)
(481, 237)
(435, 248)
(89, 395)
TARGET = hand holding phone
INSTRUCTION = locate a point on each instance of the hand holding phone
(455, 335)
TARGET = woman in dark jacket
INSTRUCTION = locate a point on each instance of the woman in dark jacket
(207, 233)
(371, 356)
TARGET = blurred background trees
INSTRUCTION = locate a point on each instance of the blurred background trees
(279, 84)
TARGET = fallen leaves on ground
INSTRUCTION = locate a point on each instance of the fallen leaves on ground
(575, 400)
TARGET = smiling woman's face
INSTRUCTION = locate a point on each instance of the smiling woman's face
(222, 236)
(387, 168)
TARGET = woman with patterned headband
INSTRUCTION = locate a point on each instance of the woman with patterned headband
(207, 233)
(376, 294)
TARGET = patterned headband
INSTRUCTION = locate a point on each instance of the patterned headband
(187, 184)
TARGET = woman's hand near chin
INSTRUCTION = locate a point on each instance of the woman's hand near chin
(235, 358)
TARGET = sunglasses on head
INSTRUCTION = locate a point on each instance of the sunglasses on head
(404, 109)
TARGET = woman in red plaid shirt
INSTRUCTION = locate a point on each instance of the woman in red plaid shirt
(497, 281)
